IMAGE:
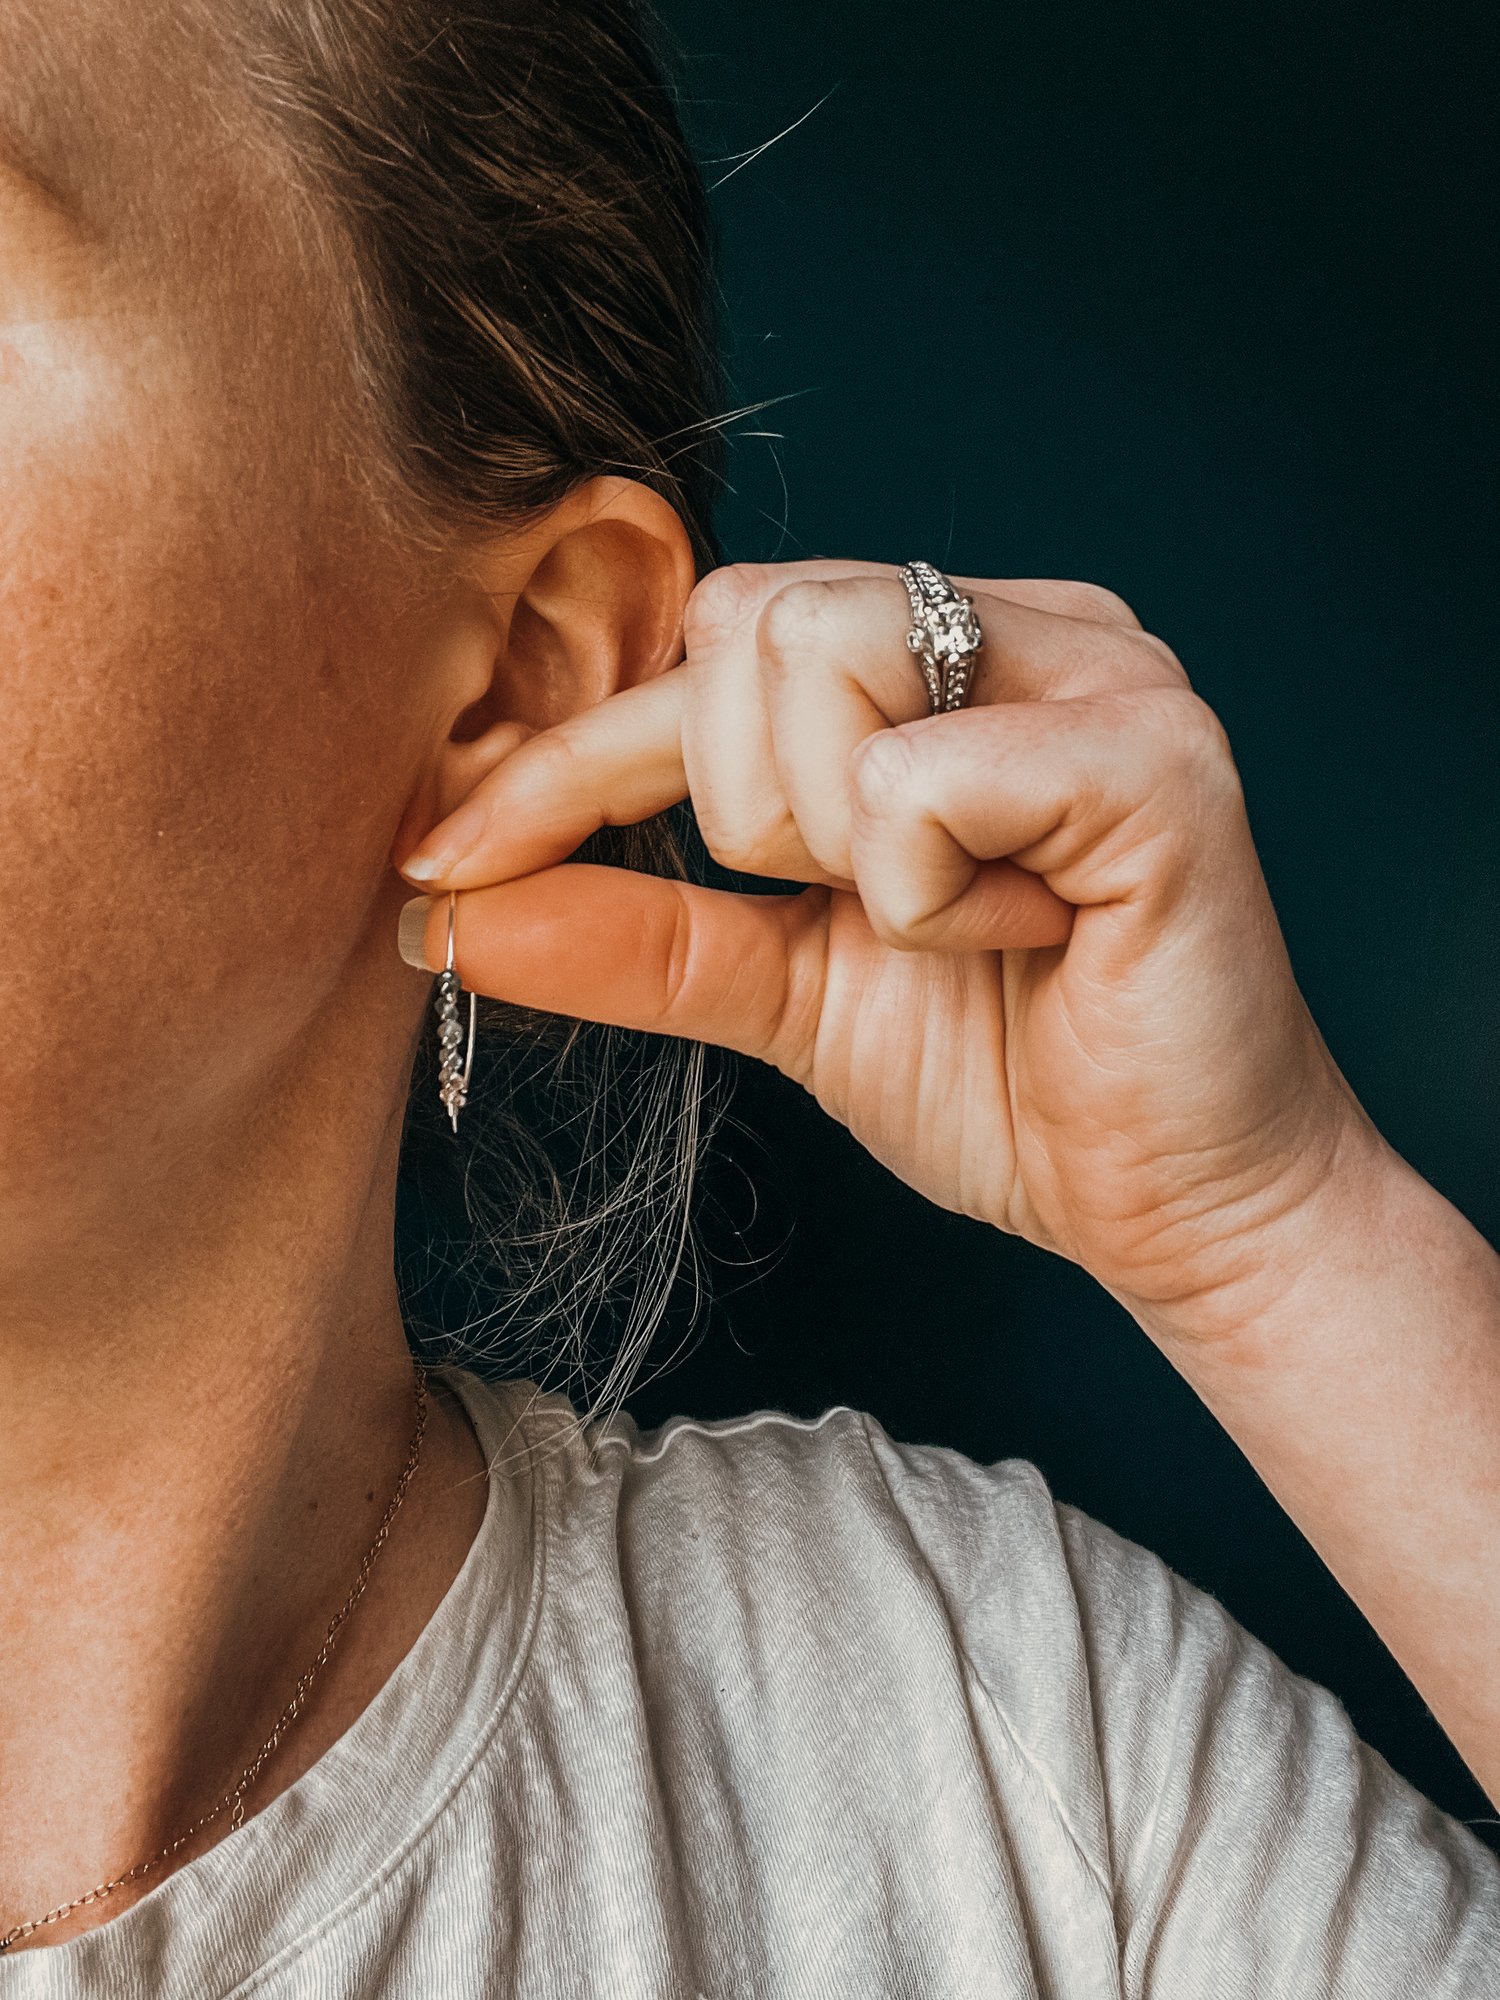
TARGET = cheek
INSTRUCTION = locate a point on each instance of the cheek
(197, 786)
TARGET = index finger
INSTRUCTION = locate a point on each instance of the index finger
(610, 765)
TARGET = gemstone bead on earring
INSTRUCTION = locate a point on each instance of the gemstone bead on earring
(453, 1077)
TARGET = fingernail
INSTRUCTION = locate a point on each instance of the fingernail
(411, 932)
(443, 846)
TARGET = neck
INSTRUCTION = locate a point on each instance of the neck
(206, 1401)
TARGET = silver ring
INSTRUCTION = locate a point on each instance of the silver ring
(945, 635)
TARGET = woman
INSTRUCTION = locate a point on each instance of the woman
(358, 447)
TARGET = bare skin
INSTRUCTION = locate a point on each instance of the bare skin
(232, 701)
(1038, 974)
(223, 688)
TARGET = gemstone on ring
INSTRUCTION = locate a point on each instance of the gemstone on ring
(951, 628)
(944, 633)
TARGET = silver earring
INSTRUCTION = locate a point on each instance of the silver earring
(453, 1082)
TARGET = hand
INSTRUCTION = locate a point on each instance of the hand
(1036, 972)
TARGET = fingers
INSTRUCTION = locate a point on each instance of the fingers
(831, 659)
(610, 765)
(1111, 798)
(972, 831)
(734, 593)
(784, 679)
(638, 951)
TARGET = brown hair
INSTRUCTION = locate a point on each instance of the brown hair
(527, 260)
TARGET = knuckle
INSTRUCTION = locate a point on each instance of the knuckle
(1162, 653)
(758, 845)
(880, 767)
(1195, 738)
(549, 768)
(796, 1007)
(900, 921)
(721, 600)
(794, 618)
(676, 959)
(1097, 601)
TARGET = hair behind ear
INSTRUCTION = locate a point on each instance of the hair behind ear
(524, 254)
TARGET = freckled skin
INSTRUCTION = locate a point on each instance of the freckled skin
(207, 712)
(236, 668)
(219, 690)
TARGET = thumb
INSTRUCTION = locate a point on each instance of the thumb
(637, 951)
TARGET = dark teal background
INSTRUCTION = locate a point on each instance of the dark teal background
(1198, 303)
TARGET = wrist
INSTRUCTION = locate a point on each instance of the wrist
(1356, 1364)
(1281, 1271)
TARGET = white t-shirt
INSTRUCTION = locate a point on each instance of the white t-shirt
(771, 1708)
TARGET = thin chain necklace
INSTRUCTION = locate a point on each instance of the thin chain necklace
(235, 1799)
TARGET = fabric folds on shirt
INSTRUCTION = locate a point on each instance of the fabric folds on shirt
(775, 1708)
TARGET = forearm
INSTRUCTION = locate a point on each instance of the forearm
(1359, 1371)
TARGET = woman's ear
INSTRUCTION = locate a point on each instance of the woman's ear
(546, 621)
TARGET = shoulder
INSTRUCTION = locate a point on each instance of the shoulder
(835, 1539)
(880, 1624)
(827, 1518)
(903, 1539)
(1224, 1804)
(768, 1487)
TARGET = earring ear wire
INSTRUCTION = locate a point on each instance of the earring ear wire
(453, 1082)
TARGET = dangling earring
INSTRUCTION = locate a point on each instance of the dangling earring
(453, 1082)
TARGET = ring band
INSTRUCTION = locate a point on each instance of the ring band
(945, 634)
